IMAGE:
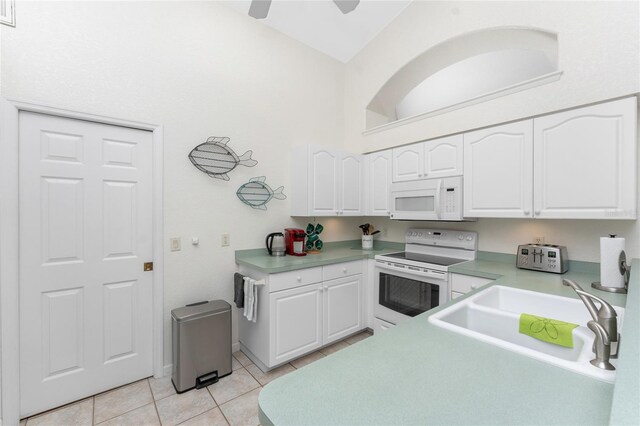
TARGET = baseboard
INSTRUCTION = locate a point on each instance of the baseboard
(167, 370)
(235, 347)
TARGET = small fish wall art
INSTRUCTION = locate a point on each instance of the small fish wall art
(256, 193)
(216, 159)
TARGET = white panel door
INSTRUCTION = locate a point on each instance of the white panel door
(85, 232)
(498, 171)
(342, 307)
(443, 157)
(379, 177)
(408, 162)
(585, 162)
(296, 322)
(323, 183)
(350, 181)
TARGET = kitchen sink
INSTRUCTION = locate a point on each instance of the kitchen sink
(493, 316)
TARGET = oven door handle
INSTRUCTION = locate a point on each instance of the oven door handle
(418, 272)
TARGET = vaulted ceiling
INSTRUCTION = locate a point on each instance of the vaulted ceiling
(321, 25)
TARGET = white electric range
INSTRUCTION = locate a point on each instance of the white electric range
(411, 282)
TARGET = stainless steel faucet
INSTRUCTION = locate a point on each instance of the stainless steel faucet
(605, 326)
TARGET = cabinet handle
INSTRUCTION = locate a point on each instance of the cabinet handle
(321, 289)
(299, 278)
(344, 270)
(474, 286)
(537, 212)
(526, 212)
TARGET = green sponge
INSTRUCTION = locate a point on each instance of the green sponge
(548, 330)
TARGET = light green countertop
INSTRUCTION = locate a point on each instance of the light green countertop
(337, 252)
(417, 373)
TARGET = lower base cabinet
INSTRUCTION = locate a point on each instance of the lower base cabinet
(461, 284)
(297, 315)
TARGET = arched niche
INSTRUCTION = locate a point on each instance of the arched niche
(464, 70)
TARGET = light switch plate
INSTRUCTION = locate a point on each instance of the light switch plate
(225, 240)
(175, 243)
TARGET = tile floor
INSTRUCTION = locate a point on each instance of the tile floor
(231, 401)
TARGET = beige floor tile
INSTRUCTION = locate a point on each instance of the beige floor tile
(177, 408)
(265, 378)
(308, 359)
(244, 360)
(243, 410)
(334, 348)
(358, 337)
(121, 400)
(237, 383)
(23, 422)
(79, 413)
(210, 418)
(235, 364)
(161, 388)
(143, 416)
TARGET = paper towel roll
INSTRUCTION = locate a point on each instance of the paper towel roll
(610, 248)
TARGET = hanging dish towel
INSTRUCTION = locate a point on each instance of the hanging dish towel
(548, 330)
(250, 299)
(238, 290)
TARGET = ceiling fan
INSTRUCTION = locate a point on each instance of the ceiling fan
(259, 9)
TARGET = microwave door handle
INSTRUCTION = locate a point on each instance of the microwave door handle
(438, 198)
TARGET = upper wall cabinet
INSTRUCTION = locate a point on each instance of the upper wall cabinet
(431, 159)
(585, 162)
(498, 171)
(578, 164)
(326, 182)
(377, 180)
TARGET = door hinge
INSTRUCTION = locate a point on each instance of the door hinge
(148, 266)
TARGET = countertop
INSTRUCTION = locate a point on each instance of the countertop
(417, 373)
(336, 252)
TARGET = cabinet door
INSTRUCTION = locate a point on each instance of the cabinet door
(351, 193)
(585, 162)
(323, 184)
(407, 162)
(443, 157)
(295, 322)
(498, 171)
(342, 308)
(377, 184)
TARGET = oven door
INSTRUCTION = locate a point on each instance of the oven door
(401, 294)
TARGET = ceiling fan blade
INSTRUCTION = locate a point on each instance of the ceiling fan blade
(259, 9)
(346, 6)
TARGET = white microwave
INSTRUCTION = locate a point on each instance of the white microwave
(427, 199)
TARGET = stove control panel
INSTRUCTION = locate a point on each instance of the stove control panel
(466, 240)
(543, 257)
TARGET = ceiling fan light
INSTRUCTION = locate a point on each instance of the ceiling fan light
(346, 6)
(259, 9)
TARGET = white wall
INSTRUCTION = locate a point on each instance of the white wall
(599, 45)
(200, 69)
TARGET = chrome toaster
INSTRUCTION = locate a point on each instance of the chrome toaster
(543, 257)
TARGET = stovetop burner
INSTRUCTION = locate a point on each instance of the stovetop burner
(425, 258)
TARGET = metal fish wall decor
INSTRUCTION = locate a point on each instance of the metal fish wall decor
(256, 193)
(216, 159)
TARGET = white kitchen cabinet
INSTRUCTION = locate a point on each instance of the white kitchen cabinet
(378, 172)
(296, 322)
(326, 182)
(437, 158)
(302, 310)
(342, 308)
(498, 171)
(461, 284)
(585, 162)
(443, 157)
(408, 162)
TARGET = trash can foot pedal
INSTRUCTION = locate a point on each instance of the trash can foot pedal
(207, 379)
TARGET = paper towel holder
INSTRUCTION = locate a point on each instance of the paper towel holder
(625, 271)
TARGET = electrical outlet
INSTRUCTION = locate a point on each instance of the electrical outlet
(225, 240)
(538, 240)
(175, 243)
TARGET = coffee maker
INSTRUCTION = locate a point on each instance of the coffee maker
(294, 241)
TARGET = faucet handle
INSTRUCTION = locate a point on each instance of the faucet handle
(606, 311)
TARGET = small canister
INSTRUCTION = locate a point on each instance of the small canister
(367, 242)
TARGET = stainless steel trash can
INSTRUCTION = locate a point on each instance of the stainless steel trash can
(201, 344)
